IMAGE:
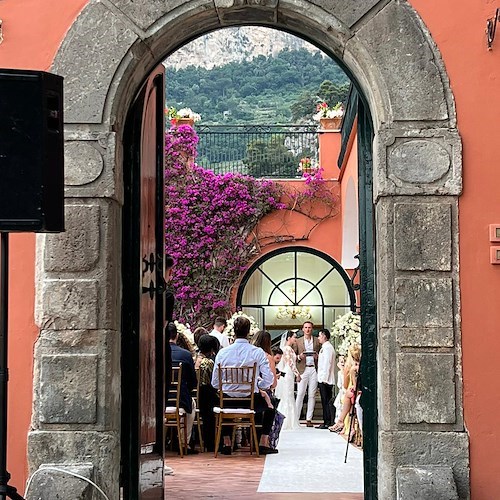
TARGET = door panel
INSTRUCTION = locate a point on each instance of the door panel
(143, 343)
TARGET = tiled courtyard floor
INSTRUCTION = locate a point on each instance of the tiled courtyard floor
(309, 466)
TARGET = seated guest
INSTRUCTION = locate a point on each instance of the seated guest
(242, 353)
(198, 333)
(188, 381)
(207, 395)
(219, 324)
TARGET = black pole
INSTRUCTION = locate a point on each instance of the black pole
(6, 491)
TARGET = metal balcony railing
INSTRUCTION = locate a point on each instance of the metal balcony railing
(256, 150)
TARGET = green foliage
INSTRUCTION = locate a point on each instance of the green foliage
(269, 158)
(264, 90)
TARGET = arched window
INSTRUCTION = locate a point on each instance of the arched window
(289, 286)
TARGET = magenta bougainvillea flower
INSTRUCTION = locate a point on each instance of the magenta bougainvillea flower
(209, 220)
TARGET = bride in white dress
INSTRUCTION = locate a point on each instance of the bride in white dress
(285, 387)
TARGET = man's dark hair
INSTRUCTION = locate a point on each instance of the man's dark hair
(306, 322)
(241, 327)
(220, 321)
(277, 350)
(326, 332)
(169, 261)
(171, 330)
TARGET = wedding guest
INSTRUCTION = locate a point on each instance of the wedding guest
(242, 353)
(207, 395)
(198, 333)
(188, 381)
(326, 377)
(219, 324)
(340, 385)
(350, 378)
(277, 355)
(262, 339)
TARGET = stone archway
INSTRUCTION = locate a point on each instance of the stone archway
(108, 51)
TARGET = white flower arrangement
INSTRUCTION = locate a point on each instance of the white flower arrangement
(185, 329)
(325, 111)
(229, 330)
(346, 331)
(188, 113)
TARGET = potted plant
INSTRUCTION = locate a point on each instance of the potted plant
(183, 116)
(307, 165)
(329, 117)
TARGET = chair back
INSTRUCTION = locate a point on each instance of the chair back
(174, 393)
(239, 380)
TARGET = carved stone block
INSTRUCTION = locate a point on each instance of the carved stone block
(99, 40)
(425, 337)
(393, 36)
(77, 249)
(424, 302)
(426, 483)
(422, 380)
(68, 389)
(422, 236)
(70, 304)
(56, 481)
(83, 163)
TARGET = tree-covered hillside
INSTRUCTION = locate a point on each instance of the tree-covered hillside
(265, 90)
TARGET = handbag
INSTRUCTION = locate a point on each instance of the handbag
(274, 435)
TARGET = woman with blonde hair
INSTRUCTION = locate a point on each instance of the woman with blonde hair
(351, 369)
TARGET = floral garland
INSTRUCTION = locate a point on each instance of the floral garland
(229, 330)
(209, 222)
(346, 331)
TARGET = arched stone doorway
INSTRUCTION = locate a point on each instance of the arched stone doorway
(107, 53)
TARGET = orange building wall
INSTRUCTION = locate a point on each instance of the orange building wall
(458, 28)
(30, 42)
(327, 236)
(33, 30)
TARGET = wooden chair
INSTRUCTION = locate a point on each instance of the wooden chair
(236, 411)
(175, 416)
(197, 417)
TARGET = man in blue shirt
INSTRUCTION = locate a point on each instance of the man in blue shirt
(242, 353)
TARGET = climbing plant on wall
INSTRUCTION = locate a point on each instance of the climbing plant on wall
(211, 221)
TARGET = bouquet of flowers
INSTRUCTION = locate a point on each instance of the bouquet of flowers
(229, 330)
(325, 111)
(346, 331)
(307, 165)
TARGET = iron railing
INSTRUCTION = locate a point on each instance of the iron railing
(256, 150)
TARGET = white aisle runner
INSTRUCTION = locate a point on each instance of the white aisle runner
(312, 461)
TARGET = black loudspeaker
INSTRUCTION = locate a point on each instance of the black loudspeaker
(31, 151)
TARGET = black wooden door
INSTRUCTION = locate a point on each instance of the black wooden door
(143, 364)
(368, 368)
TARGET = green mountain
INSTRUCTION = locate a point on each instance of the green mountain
(265, 90)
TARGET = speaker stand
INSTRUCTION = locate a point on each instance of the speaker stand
(6, 491)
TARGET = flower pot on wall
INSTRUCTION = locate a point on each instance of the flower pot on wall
(330, 123)
(185, 121)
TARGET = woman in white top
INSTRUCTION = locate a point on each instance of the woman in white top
(285, 389)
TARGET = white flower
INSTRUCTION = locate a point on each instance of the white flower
(346, 331)
(188, 113)
(186, 331)
(229, 330)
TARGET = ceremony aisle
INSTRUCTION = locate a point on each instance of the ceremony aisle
(309, 466)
